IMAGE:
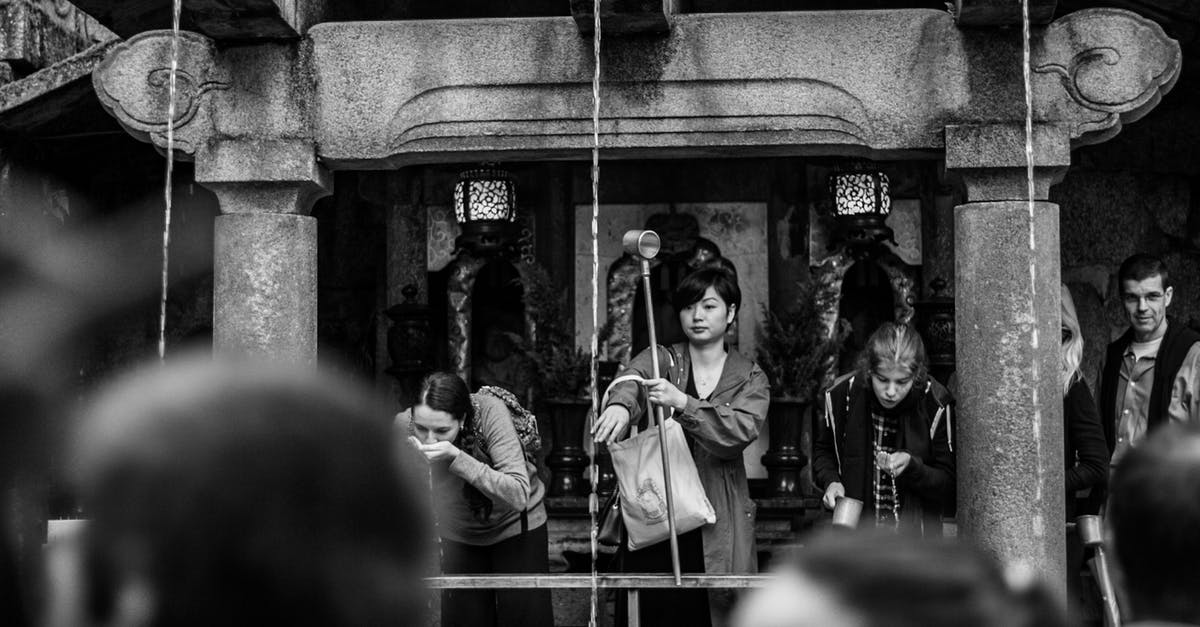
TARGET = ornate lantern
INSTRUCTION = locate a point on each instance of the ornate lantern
(861, 204)
(409, 340)
(485, 204)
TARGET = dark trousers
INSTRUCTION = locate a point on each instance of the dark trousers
(524, 553)
(688, 606)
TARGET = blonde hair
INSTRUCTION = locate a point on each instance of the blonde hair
(898, 344)
(1072, 349)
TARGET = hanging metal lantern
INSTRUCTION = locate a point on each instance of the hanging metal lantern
(409, 339)
(485, 204)
(861, 203)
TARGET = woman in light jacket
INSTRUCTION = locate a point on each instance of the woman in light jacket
(487, 498)
(720, 399)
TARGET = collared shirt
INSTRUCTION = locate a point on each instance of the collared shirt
(1133, 396)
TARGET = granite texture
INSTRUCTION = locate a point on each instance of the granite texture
(1010, 428)
(265, 286)
(390, 93)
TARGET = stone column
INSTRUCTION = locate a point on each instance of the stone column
(1010, 424)
(265, 257)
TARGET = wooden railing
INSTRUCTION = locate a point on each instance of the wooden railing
(631, 583)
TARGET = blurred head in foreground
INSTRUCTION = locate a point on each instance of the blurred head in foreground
(229, 494)
(869, 579)
(1154, 513)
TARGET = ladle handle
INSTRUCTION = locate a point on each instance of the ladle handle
(661, 421)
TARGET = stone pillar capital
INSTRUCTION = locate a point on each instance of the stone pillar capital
(263, 175)
(991, 160)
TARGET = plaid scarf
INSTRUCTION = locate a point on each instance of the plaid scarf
(887, 498)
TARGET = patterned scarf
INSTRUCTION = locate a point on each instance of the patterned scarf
(885, 438)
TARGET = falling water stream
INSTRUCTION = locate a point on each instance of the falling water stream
(1036, 375)
(176, 10)
(593, 499)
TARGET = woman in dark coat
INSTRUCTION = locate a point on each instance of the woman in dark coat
(1086, 452)
(886, 437)
(720, 399)
(1086, 456)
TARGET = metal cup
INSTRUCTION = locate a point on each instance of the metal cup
(643, 244)
(846, 512)
(1089, 529)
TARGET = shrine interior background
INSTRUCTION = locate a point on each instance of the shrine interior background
(66, 166)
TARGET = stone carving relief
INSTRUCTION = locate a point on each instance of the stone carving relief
(746, 108)
(460, 289)
(133, 84)
(1113, 64)
(623, 280)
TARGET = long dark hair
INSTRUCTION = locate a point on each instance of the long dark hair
(446, 391)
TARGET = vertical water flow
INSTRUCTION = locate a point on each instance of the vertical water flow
(593, 499)
(1026, 75)
(176, 9)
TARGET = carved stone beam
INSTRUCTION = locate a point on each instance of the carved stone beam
(38, 33)
(254, 19)
(238, 20)
(1103, 68)
(624, 17)
(133, 82)
(864, 83)
(1001, 12)
(241, 114)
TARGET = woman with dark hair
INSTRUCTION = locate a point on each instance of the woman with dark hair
(720, 399)
(488, 500)
(885, 440)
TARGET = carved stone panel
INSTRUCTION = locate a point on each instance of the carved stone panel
(133, 83)
(1112, 65)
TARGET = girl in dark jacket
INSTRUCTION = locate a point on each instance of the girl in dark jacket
(886, 436)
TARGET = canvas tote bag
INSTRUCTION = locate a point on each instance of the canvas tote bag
(637, 463)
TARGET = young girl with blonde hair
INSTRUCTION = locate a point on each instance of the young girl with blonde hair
(886, 436)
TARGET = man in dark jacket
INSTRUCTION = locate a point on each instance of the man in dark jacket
(1151, 374)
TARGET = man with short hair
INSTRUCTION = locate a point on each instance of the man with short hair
(1151, 374)
(1154, 513)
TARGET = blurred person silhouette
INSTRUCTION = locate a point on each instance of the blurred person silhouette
(222, 493)
(57, 282)
(1154, 517)
(867, 579)
(487, 494)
